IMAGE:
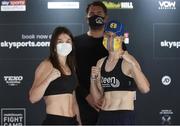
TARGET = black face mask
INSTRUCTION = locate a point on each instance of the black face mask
(96, 22)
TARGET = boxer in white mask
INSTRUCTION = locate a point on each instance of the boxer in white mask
(63, 48)
(55, 81)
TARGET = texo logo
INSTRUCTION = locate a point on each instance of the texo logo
(13, 80)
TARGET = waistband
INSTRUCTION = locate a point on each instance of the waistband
(60, 116)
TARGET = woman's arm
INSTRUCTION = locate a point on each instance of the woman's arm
(135, 70)
(95, 89)
(44, 74)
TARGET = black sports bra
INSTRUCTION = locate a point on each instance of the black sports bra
(62, 85)
(116, 80)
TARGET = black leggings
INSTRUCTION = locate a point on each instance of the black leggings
(117, 117)
(59, 120)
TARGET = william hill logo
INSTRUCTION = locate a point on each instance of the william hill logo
(118, 5)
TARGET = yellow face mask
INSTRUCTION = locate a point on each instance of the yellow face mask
(114, 45)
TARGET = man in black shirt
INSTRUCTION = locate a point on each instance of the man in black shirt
(89, 49)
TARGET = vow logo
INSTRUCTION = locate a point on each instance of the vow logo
(167, 5)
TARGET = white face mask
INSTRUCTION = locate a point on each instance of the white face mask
(63, 49)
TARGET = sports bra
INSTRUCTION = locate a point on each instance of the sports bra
(62, 85)
(116, 80)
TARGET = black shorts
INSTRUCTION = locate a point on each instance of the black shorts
(117, 117)
(59, 120)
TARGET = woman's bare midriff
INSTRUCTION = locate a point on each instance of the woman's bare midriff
(60, 104)
(118, 100)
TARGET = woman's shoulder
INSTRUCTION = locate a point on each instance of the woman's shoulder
(100, 61)
(44, 65)
(45, 62)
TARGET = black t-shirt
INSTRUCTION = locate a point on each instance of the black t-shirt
(88, 51)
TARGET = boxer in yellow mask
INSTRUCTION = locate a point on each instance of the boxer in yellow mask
(113, 36)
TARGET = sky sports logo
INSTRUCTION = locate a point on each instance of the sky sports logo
(32, 40)
(17, 45)
(13, 5)
(170, 44)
